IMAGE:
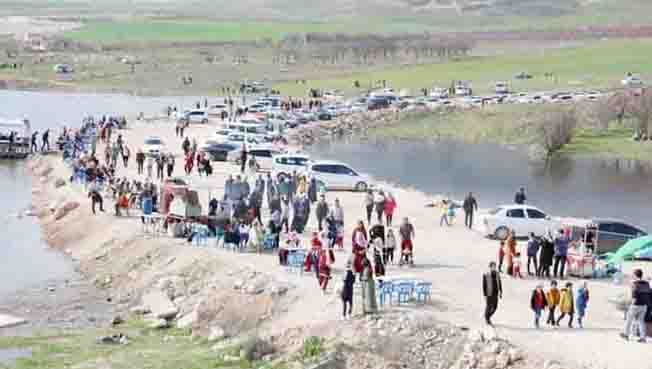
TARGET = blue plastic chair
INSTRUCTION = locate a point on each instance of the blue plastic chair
(386, 288)
(269, 242)
(404, 292)
(423, 291)
(200, 234)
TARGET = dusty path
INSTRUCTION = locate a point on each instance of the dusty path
(453, 258)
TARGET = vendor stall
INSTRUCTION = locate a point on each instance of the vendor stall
(582, 249)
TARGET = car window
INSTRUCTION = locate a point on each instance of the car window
(262, 153)
(153, 142)
(607, 227)
(344, 170)
(515, 213)
(535, 214)
(321, 168)
(626, 229)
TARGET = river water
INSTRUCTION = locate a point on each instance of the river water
(25, 260)
(563, 186)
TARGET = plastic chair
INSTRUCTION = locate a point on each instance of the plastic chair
(200, 236)
(404, 292)
(386, 288)
(269, 242)
(423, 291)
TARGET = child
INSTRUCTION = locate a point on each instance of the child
(347, 292)
(244, 235)
(538, 303)
(516, 269)
(390, 246)
(553, 302)
(582, 300)
(501, 256)
(567, 304)
(324, 270)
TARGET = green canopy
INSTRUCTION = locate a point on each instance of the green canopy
(627, 250)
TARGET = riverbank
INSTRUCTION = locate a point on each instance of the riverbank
(241, 294)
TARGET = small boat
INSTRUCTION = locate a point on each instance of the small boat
(15, 138)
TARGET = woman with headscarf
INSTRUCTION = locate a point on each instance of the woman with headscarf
(359, 247)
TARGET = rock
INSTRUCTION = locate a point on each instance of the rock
(237, 285)
(256, 287)
(64, 210)
(158, 324)
(551, 364)
(476, 336)
(60, 182)
(487, 361)
(278, 290)
(216, 334)
(502, 360)
(160, 305)
(117, 320)
(140, 310)
(187, 321)
(515, 355)
(116, 339)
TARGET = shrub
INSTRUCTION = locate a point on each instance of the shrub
(312, 347)
(556, 129)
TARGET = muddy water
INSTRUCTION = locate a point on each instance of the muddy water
(564, 186)
(25, 260)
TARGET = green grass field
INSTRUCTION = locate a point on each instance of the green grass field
(147, 348)
(598, 64)
(513, 124)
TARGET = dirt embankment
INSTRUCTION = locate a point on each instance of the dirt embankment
(226, 296)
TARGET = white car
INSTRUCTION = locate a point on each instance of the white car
(632, 81)
(523, 219)
(339, 176)
(286, 164)
(238, 139)
(153, 146)
(196, 116)
(218, 109)
(222, 135)
(264, 155)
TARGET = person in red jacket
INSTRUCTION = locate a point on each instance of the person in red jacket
(538, 303)
(324, 270)
(390, 206)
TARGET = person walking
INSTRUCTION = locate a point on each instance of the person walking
(170, 164)
(125, 155)
(546, 255)
(369, 289)
(140, 160)
(34, 146)
(553, 298)
(369, 205)
(538, 303)
(321, 211)
(532, 251)
(379, 205)
(470, 205)
(636, 313)
(443, 217)
(45, 138)
(581, 302)
(390, 206)
(566, 304)
(510, 252)
(492, 289)
(561, 252)
(520, 197)
(243, 159)
(406, 231)
(347, 292)
(390, 247)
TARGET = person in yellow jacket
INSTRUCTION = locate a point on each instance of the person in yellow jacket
(567, 304)
(553, 298)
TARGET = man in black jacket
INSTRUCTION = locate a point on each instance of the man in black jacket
(493, 290)
(321, 212)
(520, 197)
(470, 205)
(638, 308)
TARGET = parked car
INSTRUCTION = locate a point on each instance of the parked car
(218, 109)
(286, 164)
(238, 139)
(263, 154)
(324, 115)
(522, 219)
(610, 234)
(632, 81)
(153, 146)
(339, 176)
(501, 88)
(222, 135)
(195, 116)
(222, 151)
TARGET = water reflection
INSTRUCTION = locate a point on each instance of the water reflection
(567, 186)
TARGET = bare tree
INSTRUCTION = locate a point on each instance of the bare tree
(556, 129)
(641, 110)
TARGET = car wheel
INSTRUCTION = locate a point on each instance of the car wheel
(361, 187)
(204, 121)
(501, 233)
(281, 176)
